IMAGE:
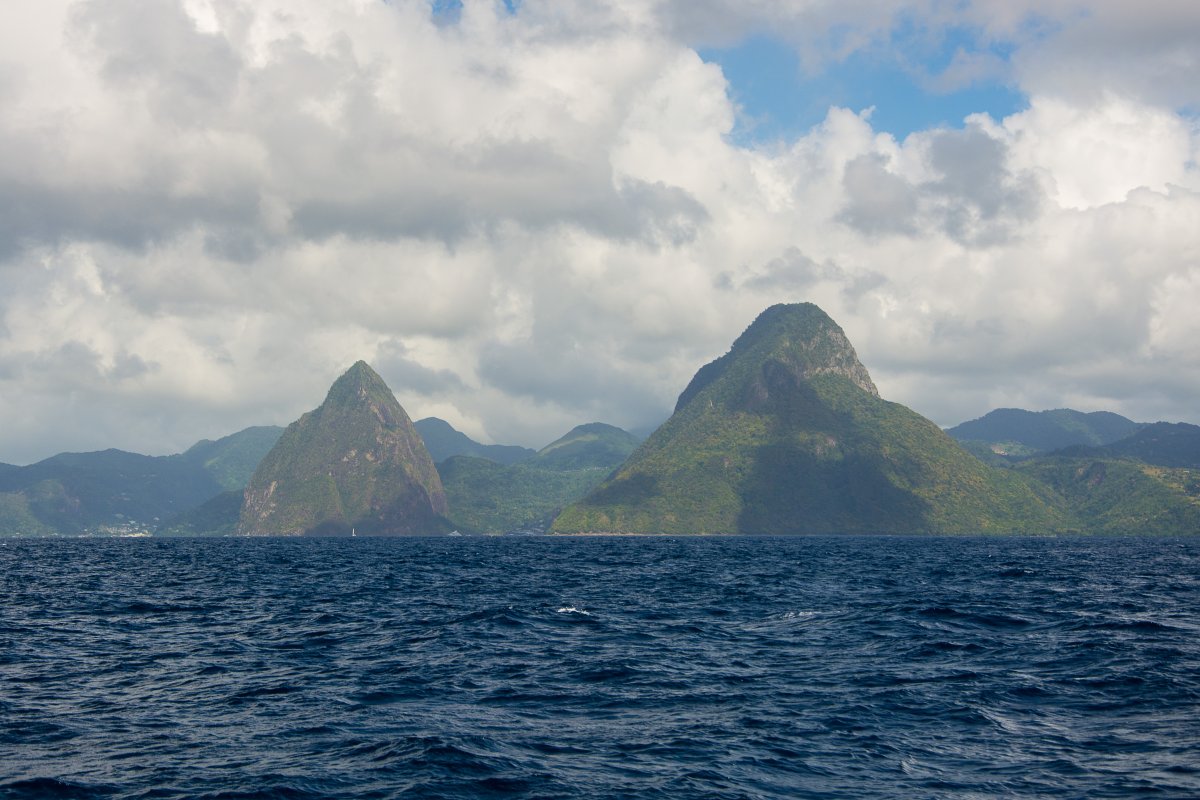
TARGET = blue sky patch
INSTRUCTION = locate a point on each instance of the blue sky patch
(778, 99)
(448, 12)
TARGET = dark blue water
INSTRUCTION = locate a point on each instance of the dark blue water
(633, 668)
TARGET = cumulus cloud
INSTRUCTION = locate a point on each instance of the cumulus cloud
(1141, 50)
(878, 201)
(969, 193)
(535, 219)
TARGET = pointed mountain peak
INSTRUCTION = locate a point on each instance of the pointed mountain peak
(786, 433)
(360, 382)
(791, 313)
(361, 367)
(356, 463)
(797, 340)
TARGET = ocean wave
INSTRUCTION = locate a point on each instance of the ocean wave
(641, 668)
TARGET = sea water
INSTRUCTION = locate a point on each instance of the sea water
(816, 667)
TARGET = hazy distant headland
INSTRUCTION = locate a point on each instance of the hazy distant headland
(784, 434)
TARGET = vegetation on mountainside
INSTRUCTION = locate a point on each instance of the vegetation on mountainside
(594, 445)
(355, 464)
(231, 460)
(74, 493)
(215, 517)
(799, 337)
(785, 434)
(18, 519)
(1146, 482)
(485, 497)
(112, 490)
(996, 454)
(1122, 496)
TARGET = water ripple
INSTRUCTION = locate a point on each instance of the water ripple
(633, 668)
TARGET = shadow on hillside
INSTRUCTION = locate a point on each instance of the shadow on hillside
(791, 491)
(632, 490)
(330, 528)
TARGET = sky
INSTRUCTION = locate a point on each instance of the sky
(530, 215)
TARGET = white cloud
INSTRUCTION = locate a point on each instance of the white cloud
(1141, 50)
(532, 221)
(1098, 153)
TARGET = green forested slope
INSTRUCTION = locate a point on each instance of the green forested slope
(485, 497)
(1122, 496)
(786, 434)
(355, 464)
(231, 460)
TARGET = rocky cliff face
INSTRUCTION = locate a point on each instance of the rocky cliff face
(355, 464)
(786, 433)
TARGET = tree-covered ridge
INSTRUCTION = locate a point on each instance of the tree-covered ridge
(443, 441)
(17, 517)
(354, 464)
(786, 434)
(102, 492)
(1164, 444)
(588, 446)
(113, 491)
(231, 460)
(1015, 433)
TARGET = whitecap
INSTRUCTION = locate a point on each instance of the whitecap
(574, 610)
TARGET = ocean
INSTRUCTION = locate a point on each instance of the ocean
(810, 667)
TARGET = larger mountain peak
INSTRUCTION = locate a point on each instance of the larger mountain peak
(786, 433)
(794, 340)
(360, 382)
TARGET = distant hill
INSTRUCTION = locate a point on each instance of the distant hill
(113, 491)
(592, 445)
(443, 441)
(105, 491)
(485, 497)
(1115, 477)
(1014, 432)
(354, 464)
(786, 434)
(231, 460)
(1163, 444)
